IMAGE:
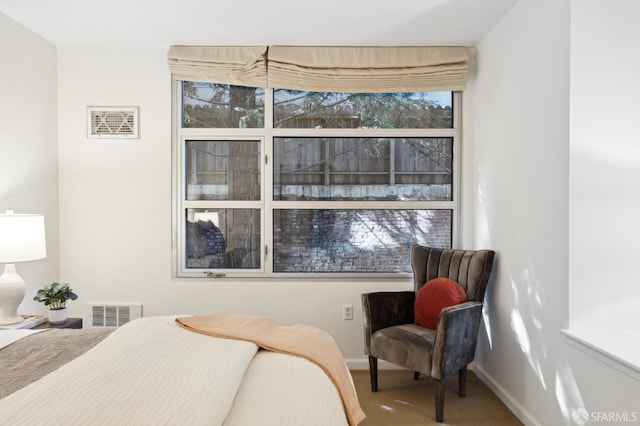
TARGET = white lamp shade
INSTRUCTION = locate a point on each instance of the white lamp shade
(22, 238)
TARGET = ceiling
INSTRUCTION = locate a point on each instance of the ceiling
(160, 23)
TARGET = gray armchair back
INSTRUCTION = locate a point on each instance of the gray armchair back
(469, 268)
(390, 331)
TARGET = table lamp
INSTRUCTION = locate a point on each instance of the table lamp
(22, 239)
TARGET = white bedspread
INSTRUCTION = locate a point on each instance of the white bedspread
(153, 372)
(285, 390)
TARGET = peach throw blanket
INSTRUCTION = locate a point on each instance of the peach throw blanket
(300, 340)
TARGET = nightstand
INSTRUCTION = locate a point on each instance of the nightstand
(69, 323)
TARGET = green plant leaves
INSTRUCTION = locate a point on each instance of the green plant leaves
(55, 295)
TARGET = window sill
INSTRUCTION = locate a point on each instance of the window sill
(617, 348)
(297, 277)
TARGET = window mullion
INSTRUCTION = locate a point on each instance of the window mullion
(457, 162)
(178, 240)
(365, 133)
(356, 205)
(267, 181)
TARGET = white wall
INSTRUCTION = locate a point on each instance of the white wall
(604, 239)
(605, 164)
(521, 158)
(28, 144)
(115, 204)
(557, 166)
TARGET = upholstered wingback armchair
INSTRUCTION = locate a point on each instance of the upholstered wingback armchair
(392, 334)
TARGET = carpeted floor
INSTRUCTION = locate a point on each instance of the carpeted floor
(402, 401)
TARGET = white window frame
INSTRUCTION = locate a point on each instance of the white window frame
(266, 203)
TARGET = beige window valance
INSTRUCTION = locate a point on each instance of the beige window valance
(237, 65)
(330, 69)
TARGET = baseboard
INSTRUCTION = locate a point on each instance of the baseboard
(507, 399)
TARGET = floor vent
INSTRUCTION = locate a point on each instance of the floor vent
(111, 315)
(112, 122)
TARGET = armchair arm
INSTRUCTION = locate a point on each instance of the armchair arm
(385, 309)
(456, 338)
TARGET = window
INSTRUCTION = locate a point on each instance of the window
(275, 182)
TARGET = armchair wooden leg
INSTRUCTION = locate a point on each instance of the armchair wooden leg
(373, 372)
(416, 375)
(462, 381)
(440, 402)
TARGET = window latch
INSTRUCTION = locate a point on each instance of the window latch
(214, 275)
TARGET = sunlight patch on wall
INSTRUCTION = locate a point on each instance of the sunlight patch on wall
(487, 325)
(522, 335)
(568, 394)
(482, 215)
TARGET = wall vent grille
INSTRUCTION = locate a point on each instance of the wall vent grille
(111, 315)
(112, 122)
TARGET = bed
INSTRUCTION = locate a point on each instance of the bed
(218, 369)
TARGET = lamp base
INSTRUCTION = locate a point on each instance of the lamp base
(12, 290)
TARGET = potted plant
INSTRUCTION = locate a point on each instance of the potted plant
(55, 296)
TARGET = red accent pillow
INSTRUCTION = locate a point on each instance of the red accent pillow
(435, 295)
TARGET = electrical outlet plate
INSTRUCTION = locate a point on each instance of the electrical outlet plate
(347, 312)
